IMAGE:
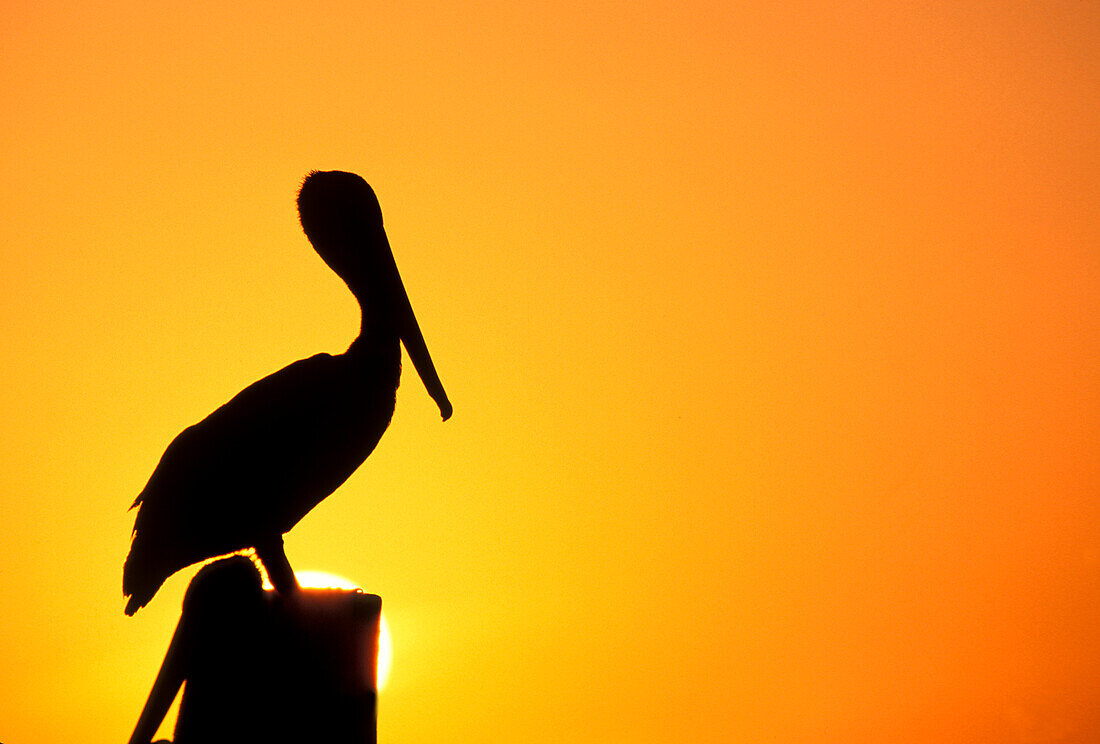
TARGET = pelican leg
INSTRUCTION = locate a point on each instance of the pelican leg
(278, 568)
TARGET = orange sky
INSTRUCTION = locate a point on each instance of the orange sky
(771, 331)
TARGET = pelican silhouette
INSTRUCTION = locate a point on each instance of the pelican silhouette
(248, 472)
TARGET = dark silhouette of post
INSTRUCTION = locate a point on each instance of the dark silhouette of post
(247, 473)
(256, 667)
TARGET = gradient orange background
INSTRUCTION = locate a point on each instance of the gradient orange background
(771, 331)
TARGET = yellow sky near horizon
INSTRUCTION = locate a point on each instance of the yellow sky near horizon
(771, 331)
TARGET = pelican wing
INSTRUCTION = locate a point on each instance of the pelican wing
(253, 467)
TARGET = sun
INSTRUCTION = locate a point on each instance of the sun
(326, 580)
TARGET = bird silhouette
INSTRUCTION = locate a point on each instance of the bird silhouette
(248, 472)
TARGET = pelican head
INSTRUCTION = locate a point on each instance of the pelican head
(342, 219)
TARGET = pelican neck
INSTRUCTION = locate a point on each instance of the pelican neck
(371, 339)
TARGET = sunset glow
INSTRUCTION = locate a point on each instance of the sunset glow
(772, 332)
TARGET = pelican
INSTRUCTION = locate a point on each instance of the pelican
(248, 472)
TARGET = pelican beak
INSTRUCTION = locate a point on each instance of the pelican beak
(409, 331)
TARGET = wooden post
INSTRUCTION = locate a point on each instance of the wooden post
(260, 667)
